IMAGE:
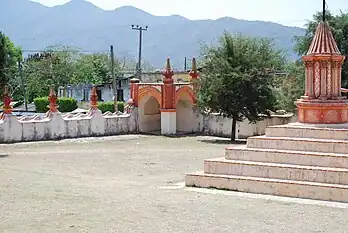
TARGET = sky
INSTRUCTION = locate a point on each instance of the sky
(287, 12)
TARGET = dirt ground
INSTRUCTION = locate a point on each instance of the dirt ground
(135, 184)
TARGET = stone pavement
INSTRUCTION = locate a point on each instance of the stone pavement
(135, 184)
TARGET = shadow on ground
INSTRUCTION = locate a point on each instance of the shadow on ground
(223, 141)
(3, 156)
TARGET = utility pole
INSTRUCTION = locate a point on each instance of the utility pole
(114, 86)
(22, 84)
(324, 10)
(185, 65)
(140, 29)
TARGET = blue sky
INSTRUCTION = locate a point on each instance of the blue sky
(287, 12)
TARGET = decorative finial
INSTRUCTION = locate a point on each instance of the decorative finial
(6, 98)
(52, 98)
(168, 64)
(94, 98)
(194, 73)
(194, 64)
(168, 73)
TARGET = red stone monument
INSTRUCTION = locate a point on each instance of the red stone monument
(323, 102)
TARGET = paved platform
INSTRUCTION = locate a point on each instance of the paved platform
(136, 184)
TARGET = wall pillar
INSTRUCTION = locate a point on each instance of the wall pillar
(168, 111)
(168, 121)
(134, 90)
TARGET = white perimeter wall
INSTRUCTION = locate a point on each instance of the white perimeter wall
(13, 129)
(216, 125)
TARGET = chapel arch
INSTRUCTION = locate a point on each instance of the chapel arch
(186, 122)
(149, 111)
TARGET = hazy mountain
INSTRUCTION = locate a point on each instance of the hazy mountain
(81, 24)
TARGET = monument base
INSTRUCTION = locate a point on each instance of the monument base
(294, 160)
(322, 111)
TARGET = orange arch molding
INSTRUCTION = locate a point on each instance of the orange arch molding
(185, 90)
(150, 91)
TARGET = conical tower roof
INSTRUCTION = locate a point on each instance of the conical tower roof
(323, 42)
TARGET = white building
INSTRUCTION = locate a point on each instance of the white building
(81, 92)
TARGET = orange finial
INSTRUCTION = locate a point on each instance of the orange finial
(52, 98)
(168, 73)
(94, 98)
(6, 98)
(194, 73)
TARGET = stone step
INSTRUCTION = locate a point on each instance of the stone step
(299, 144)
(222, 166)
(299, 189)
(307, 131)
(287, 157)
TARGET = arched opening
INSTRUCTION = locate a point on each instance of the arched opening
(186, 122)
(149, 115)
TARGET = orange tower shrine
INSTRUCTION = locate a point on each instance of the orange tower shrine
(323, 102)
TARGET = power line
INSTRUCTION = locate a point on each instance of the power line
(57, 51)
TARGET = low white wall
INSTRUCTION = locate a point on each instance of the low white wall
(58, 126)
(185, 117)
(217, 125)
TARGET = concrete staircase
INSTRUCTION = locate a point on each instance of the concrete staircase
(294, 160)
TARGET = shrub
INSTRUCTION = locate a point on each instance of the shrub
(65, 104)
(109, 106)
(41, 104)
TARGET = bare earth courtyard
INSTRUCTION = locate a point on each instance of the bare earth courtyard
(135, 184)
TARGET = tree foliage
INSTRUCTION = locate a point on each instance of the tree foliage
(339, 27)
(63, 65)
(290, 87)
(93, 68)
(9, 55)
(237, 79)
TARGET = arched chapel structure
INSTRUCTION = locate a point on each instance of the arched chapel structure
(166, 107)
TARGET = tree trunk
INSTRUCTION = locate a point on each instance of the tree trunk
(233, 133)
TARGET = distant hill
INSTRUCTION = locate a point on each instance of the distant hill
(81, 24)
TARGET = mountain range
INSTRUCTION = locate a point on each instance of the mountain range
(83, 25)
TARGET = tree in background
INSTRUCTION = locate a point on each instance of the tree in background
(54, 66)
(339, 27)
(9, 55)
(62, 65)
(290, 87)
(94, 68)
(237, 80)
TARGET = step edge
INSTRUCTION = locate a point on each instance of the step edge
(321, 140)
(268, 180)
(292, 152)
(308, 128)
(278, 165)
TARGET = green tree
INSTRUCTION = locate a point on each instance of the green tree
(237, 79)
(94, 68)
(290, 87)
(9, 55)
(54, 66)
(339, 27)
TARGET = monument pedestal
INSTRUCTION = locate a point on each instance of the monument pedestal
(294, 160)
(321, 111)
